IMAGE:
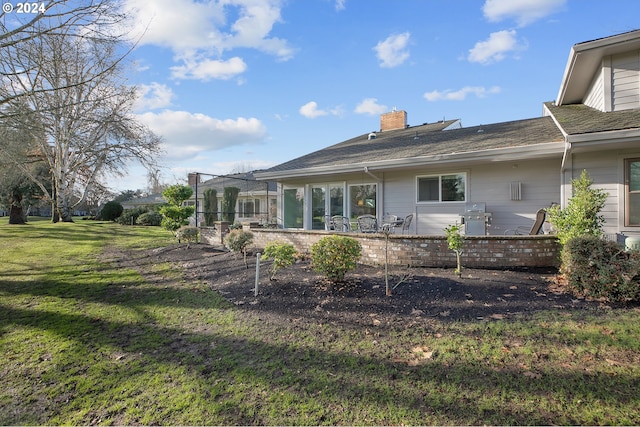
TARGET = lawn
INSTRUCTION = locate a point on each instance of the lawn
(85, 340)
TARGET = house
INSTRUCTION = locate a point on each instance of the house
(256, 199)
(439, 171)
(155, 199)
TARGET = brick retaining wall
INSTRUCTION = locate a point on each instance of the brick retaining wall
(431, 251)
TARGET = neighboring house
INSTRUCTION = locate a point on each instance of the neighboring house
(437, 171)
(256, 199)
(154, 199)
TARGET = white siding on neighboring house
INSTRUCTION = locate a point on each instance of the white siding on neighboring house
(625, 76)
(540, 183)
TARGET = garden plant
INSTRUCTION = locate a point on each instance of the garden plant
(282, 254)
(335, 255)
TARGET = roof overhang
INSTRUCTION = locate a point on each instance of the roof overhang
(598, 141)
(537, 151)
(584, 60)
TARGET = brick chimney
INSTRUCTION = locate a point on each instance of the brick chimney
(393, 120)
(192, 178)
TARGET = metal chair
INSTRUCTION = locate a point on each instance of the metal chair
(407, 223)
(341, 223)
(328, 223)
(536, 228)
(367, 224)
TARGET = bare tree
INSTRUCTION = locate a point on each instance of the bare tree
(67, 84)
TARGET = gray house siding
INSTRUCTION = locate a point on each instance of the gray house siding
(490, 184)
(626, 81)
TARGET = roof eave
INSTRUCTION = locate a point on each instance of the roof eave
(584, 58)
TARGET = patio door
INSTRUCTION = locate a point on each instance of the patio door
(326, 200)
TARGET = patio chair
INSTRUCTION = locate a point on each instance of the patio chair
(389, 222)
(341, 223)
(536, 228)
(407, 223)
(367, 224)
(328, 223)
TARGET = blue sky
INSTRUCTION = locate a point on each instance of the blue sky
(237, 85)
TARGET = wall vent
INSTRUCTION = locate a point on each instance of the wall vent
(516, 190)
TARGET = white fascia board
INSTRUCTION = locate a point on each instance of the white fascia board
(472, 157)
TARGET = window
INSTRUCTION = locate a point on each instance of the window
(632, 192)
(293, 207)
(323, 206)
(442, 188)
(248, 207)
(362, 200)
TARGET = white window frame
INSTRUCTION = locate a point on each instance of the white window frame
(439, 176)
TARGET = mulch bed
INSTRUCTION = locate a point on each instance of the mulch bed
(300, 294)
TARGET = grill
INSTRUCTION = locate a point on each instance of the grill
(475, 219)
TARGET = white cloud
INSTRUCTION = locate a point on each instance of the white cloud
(523, 11)
(153, 96)
(371, 107)
(208, 69)
(461, 94)
(392, 51)
(340, 4)
(310, 110)
(494, 49)
(201, 32)
(186, 135)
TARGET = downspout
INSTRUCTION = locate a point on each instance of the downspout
(566, 159)
(563, 168)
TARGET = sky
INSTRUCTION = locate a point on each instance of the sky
(239, 85)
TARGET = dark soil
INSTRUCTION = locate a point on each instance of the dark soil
(300, 294)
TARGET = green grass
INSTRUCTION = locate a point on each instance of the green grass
(85, 340)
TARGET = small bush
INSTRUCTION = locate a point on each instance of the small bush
(282, 254)
(335, 255)
(238, 241)
(130, 216)
(187, 234)
(600, 269)
(455, 241)
(582, 215)
(111, 211)
(149, 218)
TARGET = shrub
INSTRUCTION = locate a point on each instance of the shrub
(455, 241)
(238, 241)
(582, 215)
(601, 269)
(282, 254)
(149, 218)
(130, 216)
(188, 234)
(229, 198)
(335, 255)
(175, 215)
(210, 206)
(111, 211)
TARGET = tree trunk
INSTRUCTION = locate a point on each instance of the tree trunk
(15, 215)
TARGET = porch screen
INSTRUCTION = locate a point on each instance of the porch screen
(293, 207)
